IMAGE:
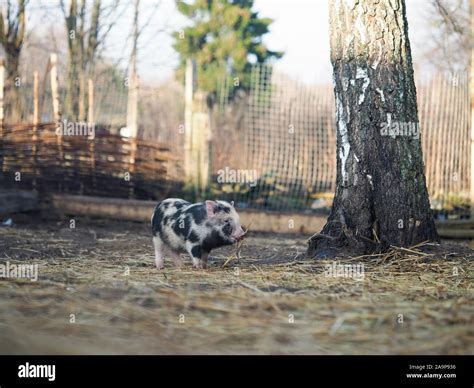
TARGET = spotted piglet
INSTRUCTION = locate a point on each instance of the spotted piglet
(182, 227)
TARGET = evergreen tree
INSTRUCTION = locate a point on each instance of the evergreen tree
(224, 38)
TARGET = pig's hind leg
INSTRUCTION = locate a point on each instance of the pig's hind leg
(178, 261)
(159, 252)
(162, 251)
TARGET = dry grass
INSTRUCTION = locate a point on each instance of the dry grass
(104, 274)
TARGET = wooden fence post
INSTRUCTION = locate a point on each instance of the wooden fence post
(35, 99)
(201, 140)
(132, 124)
(35, 123)
(197, 158)
(90, 103)
(190, 81)
(2, 113)
(55, 88)
(132, 105)
(471, 87)
(56, 106)
(2, 94)
(472, 144)
(90, 121)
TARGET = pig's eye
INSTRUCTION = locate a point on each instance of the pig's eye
(227, 221)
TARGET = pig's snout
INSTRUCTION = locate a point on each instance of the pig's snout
(238, 234)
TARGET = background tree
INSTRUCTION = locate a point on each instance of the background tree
(448, 46)
(224, 38)
(133, 81)
(86, 29)
(12, 37)
(381, 196)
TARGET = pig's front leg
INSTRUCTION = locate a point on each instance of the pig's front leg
(199, 256)
(204, 256)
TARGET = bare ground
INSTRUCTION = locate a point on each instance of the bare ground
(101, 275)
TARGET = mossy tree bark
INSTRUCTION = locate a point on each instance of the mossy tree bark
(381, 197)
(12, 37)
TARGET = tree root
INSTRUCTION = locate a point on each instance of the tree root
(338, 238)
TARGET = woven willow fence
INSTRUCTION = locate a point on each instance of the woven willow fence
(35, 157)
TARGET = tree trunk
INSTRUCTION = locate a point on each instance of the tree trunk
(381, 197)
(82, 50)
(12, 35)
(13, 103)
(74, 38)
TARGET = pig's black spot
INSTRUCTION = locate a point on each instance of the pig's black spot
(164, 237)
(165, 220)
(178, 227)
(198, 213)
(214, 240)
(196, 251)
(182, 226)
(175, 217)
(180, 204)
(156, 220)
(227, 229)
(222, 208)
(187, 227)
(193, 236)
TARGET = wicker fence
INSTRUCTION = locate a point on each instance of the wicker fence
(36, 157)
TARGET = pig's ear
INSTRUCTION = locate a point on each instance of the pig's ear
(232, 203)
(211, 208)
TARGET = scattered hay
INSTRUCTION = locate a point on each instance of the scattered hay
(260, 296)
